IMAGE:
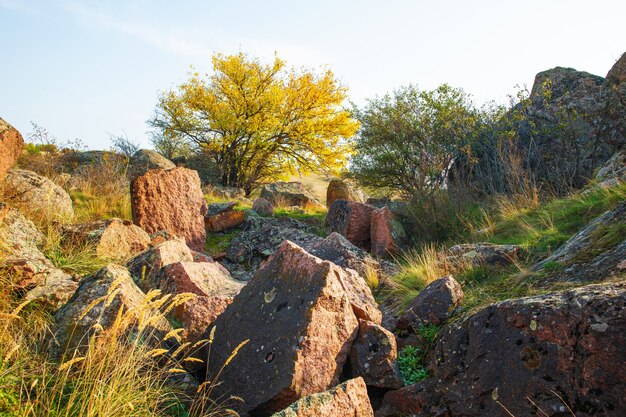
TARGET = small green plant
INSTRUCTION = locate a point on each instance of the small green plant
(410, 362)
(428, 333)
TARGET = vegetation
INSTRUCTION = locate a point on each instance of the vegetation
(259, 121)
(412, 359)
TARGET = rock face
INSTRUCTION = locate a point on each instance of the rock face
(11, 145)
(300, 327)
(434, 304)
(263, 207)
(113, 239)
(144, 160)
(76, 319)
(289, 194)
(483, 253)
(387, 233)
(374, 356)
(146, 267)
(170, 200)
(341, 189)
(346, 400)
(36, 195)
(571, 343)
(352, 220)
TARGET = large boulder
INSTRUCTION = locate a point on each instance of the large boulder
(170, 200)
(199, 313)
(289, 194)
(300, 326)
(433, 305)
(144, 160)
(387, 233)
(200, 278)
(374, 356)
(146, 267)
(11, 145)
(113, 239)
(352, 220)
(342, 189)
(345, 400)
(546, 352)
(98, 301)
(36, 195)
(263, 207)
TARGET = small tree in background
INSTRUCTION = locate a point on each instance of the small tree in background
(124, 145)
(258, 121)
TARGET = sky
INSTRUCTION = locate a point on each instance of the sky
(91, 69)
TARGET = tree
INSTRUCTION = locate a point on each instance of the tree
(124, 145)
(258, 121)
(408, 140)
(172, 146)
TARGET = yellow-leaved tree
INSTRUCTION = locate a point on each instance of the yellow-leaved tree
(260, 122)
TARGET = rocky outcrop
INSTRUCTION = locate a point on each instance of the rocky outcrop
(146, 267)
(289, 194)
(433, 305)
(346, 400)
(352, 220)
(113, 239)
(342, 189)
(170, 200)
(263, 207)
(300, 326)
(524, 354)
(613, 171)
(37, 196)
(483, 253)
(388, 236)
(374, 356)
(144, 160)
(97, 301)
(11, 145)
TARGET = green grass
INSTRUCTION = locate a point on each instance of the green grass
(218, 242)
(312, 217)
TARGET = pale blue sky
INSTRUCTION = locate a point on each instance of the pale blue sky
(84, 69)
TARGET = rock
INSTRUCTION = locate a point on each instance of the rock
(341, 252)
(300, 326)
(113, 239)
(76, 163)
(360, 295)
(613, 171)
(200, 278)
(199, 313)
(76, 320)
(285, 194)
(570, 343)
(352, 220)
(374, 356)
(144, 160)
(146, 267)
(218, 208)
(483, 254)
(54, 290)
(224, 221)
(342, 189)
(18, 234)
(617, 73)
(433, 305)
(263, 207)
(227, 193)
(378, 202)
(170, 200)
(11, 145)
(345, 400)
(37, 196)
(387, 233)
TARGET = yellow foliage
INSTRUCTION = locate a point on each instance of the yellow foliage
(260, 122)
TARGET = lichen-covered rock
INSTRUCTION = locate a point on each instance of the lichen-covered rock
(11, 145)
(387, 233)
(613, 171)
(170, 200)
(224, 220)
(525, 353)
(55, 288)
(287, 194)
(483, 254)
(433, 305)
(374, 356)
(200, 278)
(345, 400)
(146, 267)
(36, 196)
(300, 326)
(113, 239)
(144, 160)
(199, 313)
(617, 73)
(76, 320)
(342, 189)
(352, 220)
(337, 249)
(263, 207)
